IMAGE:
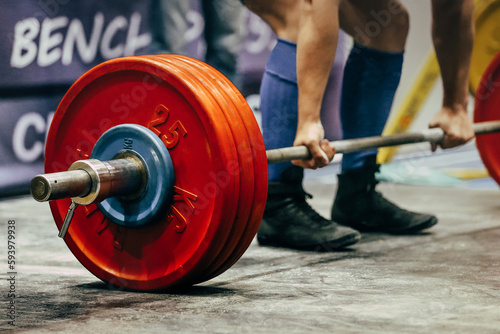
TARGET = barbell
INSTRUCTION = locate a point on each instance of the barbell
(167, 165)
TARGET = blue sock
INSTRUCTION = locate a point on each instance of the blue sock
(371, 78)
(279, 102)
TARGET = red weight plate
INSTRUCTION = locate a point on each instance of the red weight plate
(487, 108)
(224, 94)
(232, 94)
(177, 248)
(258, 203)
(260, 176)
(197, 77)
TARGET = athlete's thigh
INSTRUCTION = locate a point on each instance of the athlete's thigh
(374, 22)
(360, 13)
(283, 16)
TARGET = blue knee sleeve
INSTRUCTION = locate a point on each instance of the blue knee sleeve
(279, 102)
(371, 78)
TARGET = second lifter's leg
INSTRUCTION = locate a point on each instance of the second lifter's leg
(223, 35)
(288, 220)
(371, 77)
(168, 24)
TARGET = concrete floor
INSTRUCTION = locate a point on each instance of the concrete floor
(443, 281)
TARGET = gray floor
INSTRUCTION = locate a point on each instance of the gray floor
(443, 281)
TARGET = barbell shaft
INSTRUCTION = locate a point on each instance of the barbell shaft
(126, 174)
(434, 135)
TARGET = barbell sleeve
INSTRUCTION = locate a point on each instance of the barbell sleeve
(91, 181)
(434, 135)
(48, 187)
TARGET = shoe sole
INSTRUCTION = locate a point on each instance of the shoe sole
(327, 246)
(413, 230)
(418, 228)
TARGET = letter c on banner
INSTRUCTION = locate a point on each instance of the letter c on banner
(23, 153)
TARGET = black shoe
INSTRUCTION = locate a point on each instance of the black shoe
(290, 222)
(358, 205)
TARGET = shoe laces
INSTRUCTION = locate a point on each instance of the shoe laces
(304, 208)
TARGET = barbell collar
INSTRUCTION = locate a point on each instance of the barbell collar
(435, 135)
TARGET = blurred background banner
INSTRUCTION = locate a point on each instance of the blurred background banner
(50, 42)
(45, 46)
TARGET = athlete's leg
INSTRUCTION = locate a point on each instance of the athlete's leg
(373, 69)
(371, 78)
(288, 220)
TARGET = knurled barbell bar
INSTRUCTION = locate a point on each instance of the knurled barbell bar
(169, 166)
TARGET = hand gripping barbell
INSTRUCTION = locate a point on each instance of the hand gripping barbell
(168, 164)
